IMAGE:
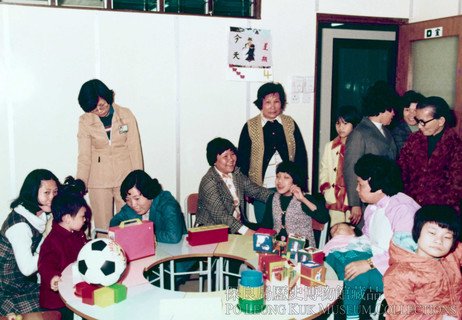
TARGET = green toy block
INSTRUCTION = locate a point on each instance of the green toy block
(104, 296)
(120, 292)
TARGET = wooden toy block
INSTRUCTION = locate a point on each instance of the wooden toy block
(263, 242)
(311, 254)
(270, 232)
(312, 274)
(79, 287)
(294, 245)
(120, 292)
(207, 234)
(88, 294)
(264, 260)
(104, 296)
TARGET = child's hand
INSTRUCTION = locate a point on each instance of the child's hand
(11, 316)
(54, 283)
(297, 192)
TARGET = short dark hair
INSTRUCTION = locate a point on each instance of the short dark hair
(349, 114)
(444, 216)
(381, 172)
(30, 187)
(91, 91)
(440, 109)
(216, 147)
(148, 187)
(406, 99)
(293, 170)
(380, 97)
(70, 199)
(270, 88)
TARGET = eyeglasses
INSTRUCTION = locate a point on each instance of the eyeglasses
(422, 122)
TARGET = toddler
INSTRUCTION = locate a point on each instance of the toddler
(63, 244)
(424, 278)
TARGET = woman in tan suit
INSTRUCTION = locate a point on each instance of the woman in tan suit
(109, 149)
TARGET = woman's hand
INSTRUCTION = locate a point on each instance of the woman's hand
(54, 283)
(354, 269)
(356, 214)
(249, 232)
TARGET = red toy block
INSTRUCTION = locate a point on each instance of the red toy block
(78, 288)
(88, 296)
(312, 274)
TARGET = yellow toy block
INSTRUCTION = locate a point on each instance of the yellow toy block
(120, 292)
(104, 296)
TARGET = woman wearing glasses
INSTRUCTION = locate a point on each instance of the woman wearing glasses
(109, 149)
(431, 159)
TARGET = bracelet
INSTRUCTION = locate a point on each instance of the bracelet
(371, 264)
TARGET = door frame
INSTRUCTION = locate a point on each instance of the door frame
(332, 18)
(408, 33)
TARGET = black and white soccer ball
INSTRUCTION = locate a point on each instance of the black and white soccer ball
(101, 261)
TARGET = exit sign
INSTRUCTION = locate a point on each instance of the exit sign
(433, 32)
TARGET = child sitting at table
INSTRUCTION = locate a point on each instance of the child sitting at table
(289, 210)
(424, 278)
(63, 244)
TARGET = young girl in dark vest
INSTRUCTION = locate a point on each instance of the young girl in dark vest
(289, 211)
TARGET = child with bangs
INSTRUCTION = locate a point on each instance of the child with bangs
(424, 278)
(63, 244)
(289, 211)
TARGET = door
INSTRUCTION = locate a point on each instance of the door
(430, 61)
(353, 53)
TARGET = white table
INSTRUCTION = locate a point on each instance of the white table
(145, 301)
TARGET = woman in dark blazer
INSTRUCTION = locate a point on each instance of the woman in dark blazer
(222, 189)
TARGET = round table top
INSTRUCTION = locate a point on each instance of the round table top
(145, 301)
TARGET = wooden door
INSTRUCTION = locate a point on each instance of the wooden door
(430, 60)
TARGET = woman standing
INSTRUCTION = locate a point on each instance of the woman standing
(20, 239)
(431, 159)
(109, 149)
(268, 139)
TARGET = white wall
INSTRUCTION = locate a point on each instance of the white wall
(169, 70)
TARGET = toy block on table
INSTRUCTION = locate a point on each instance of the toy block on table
(280, 248)
(120, 292)
(104, 296)
(270, 232)
(312, 274)
(207, 234)
(294, 245)
(311, 254)
(79, 287)
(264, 260)
(276, 270)
(88, 296)
(263, 242)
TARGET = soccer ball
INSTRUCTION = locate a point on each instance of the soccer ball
(101, 261)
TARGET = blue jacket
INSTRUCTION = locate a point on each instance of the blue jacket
(165, 213)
